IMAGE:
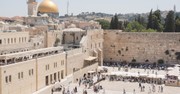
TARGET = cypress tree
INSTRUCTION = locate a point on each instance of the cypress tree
(170, 22)
(150, 20)
(112, 23)
(116, 22)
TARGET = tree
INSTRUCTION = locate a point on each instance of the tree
(170, 22)
(141, 20)
(154, 21)
(104, 24)
(120, 25)
(112, 23)
(134, 26)
(57, 42)
(125, 23)
(150, 21)
(116, 22)
(157, 25)
(177, 24)
(157, 13)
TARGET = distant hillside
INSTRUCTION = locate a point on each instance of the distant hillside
(128, 16)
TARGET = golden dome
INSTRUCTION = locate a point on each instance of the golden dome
(47, 6)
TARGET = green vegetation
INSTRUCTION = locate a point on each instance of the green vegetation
(177, 24)
(56, 42)
(116, 24)
(170, 22)
(134, 27)
(154, 23)
(160, 61)
(104, 23)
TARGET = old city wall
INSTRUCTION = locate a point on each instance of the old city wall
(141, 47)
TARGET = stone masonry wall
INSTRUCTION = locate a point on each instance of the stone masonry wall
(141, 47)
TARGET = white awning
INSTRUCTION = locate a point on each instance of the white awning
(90, 58)
(91, 71)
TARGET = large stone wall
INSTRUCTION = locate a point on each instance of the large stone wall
(141, 47)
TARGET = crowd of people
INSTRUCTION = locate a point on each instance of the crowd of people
(88, 81)
(138, 65)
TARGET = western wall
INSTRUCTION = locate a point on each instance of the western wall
(141, 47)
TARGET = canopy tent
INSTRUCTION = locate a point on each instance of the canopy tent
(127, 74)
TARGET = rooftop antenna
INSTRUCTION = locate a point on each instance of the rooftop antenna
(174, 11)
(174, 8)
(68, 7)
(157, 5)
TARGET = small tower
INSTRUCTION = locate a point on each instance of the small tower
(175, 9)
(32, 7)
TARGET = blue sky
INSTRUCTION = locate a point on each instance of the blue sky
(19, 7)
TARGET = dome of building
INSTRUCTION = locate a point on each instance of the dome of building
(48, 6)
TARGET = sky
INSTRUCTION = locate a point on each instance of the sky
(19, 7)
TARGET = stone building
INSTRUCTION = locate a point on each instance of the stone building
(13, 42)
(42, 51)
(29, 63)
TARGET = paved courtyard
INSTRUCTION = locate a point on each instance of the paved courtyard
(117, 87)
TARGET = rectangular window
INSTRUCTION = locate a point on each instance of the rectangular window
(32, 71)
(47, 80)
(14, 40)
(29, 72)
(9, 78)
(62, 74)
(8, 40)
(21, 74)
(59, 75)
(0, 41)
(19, 40)
(54, 76)
(47, 67)
(11, 40)
(51, 78)
(6, 79)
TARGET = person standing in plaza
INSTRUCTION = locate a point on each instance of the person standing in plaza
(134, 91)
(124, 91)
(80, 82)
(161, 88)
(103, 91)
